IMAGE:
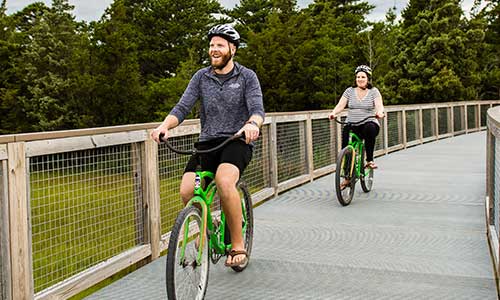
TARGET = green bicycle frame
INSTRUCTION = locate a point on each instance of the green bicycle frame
(205, 198)
(357, 145)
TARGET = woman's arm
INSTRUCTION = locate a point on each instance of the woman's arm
(379, 107)
(338, 108)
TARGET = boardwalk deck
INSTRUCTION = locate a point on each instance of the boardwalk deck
(420, 234)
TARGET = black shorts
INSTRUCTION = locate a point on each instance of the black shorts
(236, 152)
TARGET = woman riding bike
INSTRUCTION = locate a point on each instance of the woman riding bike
(363, 100)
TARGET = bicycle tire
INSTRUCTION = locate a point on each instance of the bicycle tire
(366, 174)
(247, 209)
(186, 279)
(345, 171)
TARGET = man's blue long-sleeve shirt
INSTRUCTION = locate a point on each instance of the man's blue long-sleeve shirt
(225, 106)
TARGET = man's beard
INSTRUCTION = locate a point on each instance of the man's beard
(225, 58)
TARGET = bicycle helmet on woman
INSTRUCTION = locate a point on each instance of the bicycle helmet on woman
(225, 31)
(363, 68)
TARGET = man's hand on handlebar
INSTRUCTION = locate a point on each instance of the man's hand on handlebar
(155, 134)
(251, 132)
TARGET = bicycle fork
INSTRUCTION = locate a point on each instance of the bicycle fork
(202, 233)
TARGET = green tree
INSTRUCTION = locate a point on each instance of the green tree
(251, 16)
(46, 62)
(376, 47)
(436, 54)
(13, 118)
(489, 59)
(304, 59)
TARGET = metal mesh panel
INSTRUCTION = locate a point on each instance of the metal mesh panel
(257, 175)
(171, 168)
(394, 132)
(471, 116)
(379, 140)
(496, 183)
(443, 120)
(412, 127)
(83, 210)
(291, 150)
(458, 118)
(484, 114)
(428, 124)
(324, 142)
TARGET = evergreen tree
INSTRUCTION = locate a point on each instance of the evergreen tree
(46, 64)
(13, 118)
(489, 59)
(437, 54)
(251, 16)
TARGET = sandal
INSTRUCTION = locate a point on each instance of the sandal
(234, 253)
(371, 165)
(345, 184)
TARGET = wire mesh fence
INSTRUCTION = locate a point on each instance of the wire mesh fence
(443, 119)
(471, 117)
(428, 122)
(394, 129)
(458, 119)
(85, 209)
(171, 168)
(291, 150)
(484, 114)
(257, 175)
(412, 127)
(324, 143)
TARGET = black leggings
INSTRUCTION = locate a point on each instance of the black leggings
(367, 131)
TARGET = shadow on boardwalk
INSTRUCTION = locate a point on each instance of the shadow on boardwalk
(420, 234)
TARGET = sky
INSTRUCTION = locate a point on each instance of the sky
(92, 10)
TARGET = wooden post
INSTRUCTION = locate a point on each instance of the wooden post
(403, 128)
(420, 125)
(20, 246)
(136, 163)
(5, 280)
(273, 136)
(386, 135)
(266, 146)
(466, 124)
(152, 186)
(303, 147)
(436, 122)
(309, 147)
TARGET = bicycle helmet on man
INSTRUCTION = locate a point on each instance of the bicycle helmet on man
(225, 31)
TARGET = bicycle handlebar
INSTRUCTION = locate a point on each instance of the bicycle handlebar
(194, 151)
(353, 123)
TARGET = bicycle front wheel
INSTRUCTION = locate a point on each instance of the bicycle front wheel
(366, 175)
(187, 266)
(344, 176)
(247, 226)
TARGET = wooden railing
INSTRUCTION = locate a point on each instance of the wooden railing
(493, 184)
(79, 206)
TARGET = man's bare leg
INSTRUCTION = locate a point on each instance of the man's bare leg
(226, 178)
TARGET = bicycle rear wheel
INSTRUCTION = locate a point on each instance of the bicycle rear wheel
(366, 175)
(186, 274)
(247, 209)
(345, 173)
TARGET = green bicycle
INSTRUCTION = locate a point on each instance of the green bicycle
(351, 167)
(200, 233)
